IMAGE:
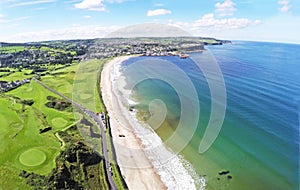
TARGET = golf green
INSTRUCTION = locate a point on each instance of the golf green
(85, 96)
(32, 157)
(59, 122)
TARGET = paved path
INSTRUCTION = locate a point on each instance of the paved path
(102, 126)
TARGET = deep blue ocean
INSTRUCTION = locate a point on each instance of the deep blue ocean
(259, 140)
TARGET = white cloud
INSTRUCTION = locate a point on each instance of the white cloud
(208, 21)
(227, 8)
(93, 5)
(285, 5)
(27, 3)
(78, 32)
(87, 16)
(96, 5)
(157, 12)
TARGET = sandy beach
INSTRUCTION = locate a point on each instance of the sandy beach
(129, 149)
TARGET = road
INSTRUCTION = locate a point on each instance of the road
(102, 126)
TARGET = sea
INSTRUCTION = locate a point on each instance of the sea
(244, 95)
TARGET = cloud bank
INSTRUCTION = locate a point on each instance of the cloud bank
(285, 6)
(157, 12)
(79, 32)
(92, 5)
(209, 21)
(227, 8)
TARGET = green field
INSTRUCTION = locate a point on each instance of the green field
(19, 48)
(62, 80)
(17, 75)
(11, 49)
(48, 49)
(39, 95)
(79, 82)
(22, 145)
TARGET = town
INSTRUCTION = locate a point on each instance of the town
(40, 57)
(7, 86)
(39, 54)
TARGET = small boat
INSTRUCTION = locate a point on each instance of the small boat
(183, 56)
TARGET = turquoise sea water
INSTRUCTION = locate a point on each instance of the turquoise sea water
(259, 140)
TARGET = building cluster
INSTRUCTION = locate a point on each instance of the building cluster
(117, 47)
(39, 55)
(7, 86)
(27, 58)
(35, 55)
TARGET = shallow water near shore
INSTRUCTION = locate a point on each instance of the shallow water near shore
(259, 140)
(175, 172)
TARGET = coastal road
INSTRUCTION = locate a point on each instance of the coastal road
(102, 126)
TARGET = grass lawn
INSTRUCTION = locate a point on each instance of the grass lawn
(9, 178)
(62, 80)
(17, 75)
(79, 82)
(39, 94)
(12, 49)
(20, 133)
(208, 40)
(59, 122)
(32, 157)
(22, 147)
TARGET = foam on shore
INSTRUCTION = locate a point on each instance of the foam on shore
(175, 172)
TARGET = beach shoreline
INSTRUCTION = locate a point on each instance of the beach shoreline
(144, 160)
(135, 177)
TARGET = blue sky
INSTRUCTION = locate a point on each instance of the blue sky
(259, 20)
